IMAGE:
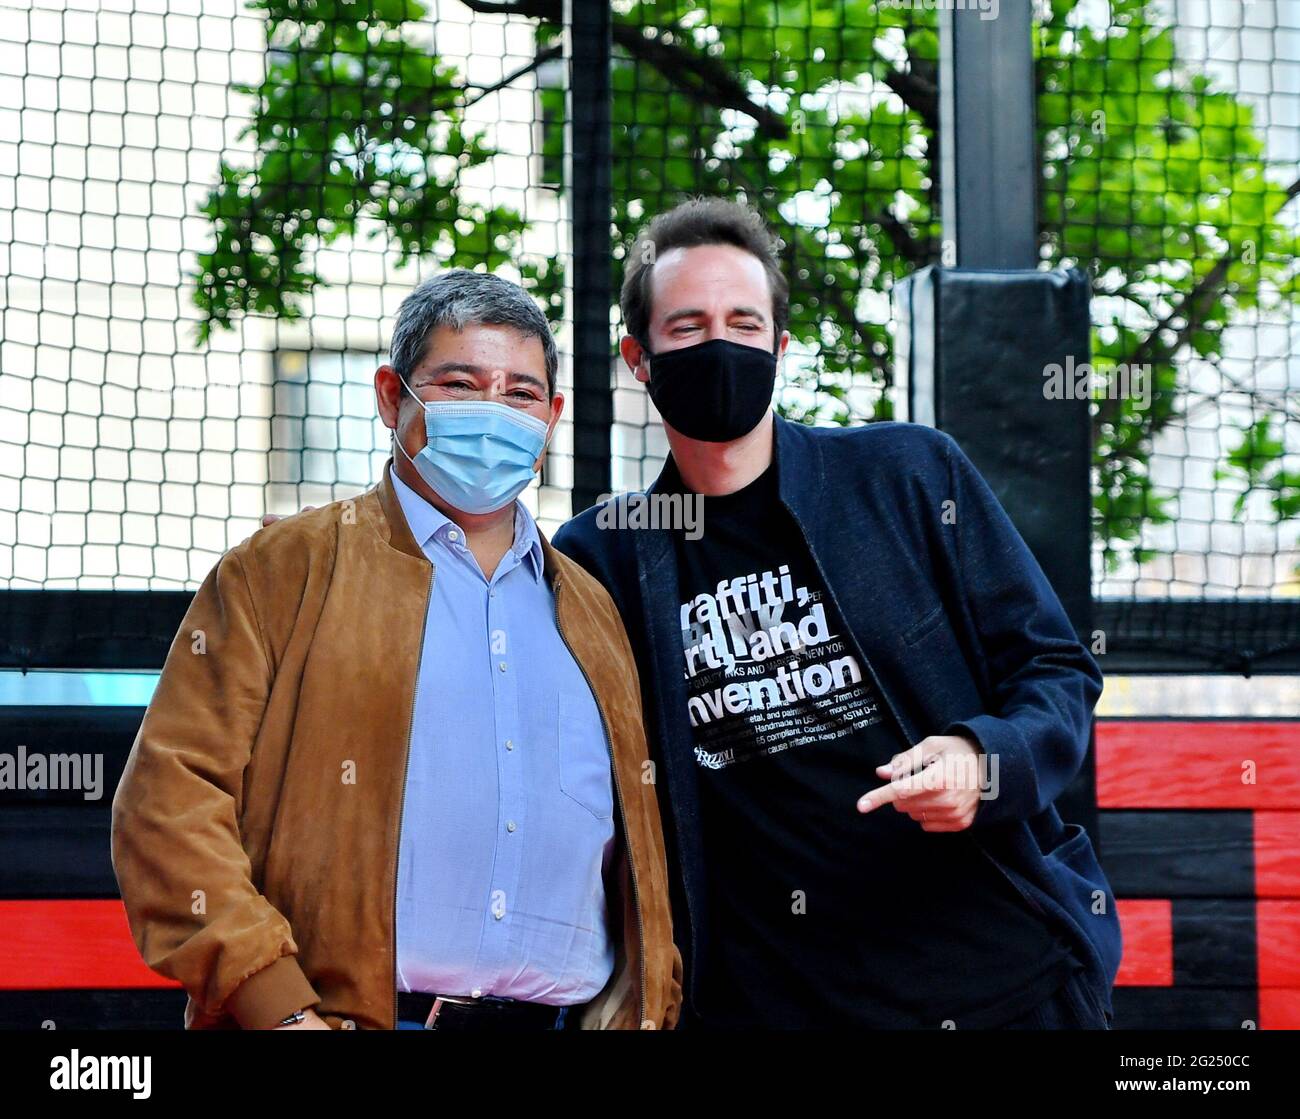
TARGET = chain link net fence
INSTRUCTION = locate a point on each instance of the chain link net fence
(1170, 140)
(208, 216)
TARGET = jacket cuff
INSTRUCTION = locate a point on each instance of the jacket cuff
(1013, 795)
(266, 997)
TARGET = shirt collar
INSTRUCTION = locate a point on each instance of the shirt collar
(528, 541)
(427, 522)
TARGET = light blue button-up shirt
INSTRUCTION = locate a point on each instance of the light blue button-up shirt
(508, 817)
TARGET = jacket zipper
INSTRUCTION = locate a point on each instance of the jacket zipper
(907, 731)
(406, 769)
(618, 790)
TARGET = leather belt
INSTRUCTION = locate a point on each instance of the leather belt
(488, 1014)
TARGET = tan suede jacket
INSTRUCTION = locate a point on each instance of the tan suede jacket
(255, 829)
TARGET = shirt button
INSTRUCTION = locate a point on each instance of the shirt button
(476, 993)
(510, 743)
(453, 536)
(510, 825)
(503, 666)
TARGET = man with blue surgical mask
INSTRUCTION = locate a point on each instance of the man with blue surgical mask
(406, 769)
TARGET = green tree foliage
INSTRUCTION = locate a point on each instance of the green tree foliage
(1156, 183)
(358, 132)
(824, 113)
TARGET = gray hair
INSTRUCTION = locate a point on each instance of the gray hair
(458, 298)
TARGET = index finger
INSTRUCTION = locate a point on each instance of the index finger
(900, 788)
(878, 798)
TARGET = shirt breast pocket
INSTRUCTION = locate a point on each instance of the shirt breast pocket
(584, 755)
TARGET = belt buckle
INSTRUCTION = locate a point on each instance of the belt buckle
(438, 1003)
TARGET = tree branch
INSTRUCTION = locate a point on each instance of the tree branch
(483, 91)
(549, 11)
(918, 92)
(1192, 309)
(711, 77)
(708, 77)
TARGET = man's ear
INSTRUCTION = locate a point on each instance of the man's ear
(636, 357)
(557, 407)
(388, 395)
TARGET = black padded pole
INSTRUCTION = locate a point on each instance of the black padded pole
(587, 178)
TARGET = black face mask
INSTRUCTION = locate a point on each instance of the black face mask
(715, 391)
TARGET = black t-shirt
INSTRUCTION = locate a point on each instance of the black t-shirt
(818, 915)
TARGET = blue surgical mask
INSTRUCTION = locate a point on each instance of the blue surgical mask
(478, 455)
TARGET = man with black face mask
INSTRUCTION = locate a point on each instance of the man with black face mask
(862, 695)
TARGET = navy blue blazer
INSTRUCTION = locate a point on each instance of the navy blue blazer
(951, 616)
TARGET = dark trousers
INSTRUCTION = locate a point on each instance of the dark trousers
(1071, 1006)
